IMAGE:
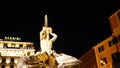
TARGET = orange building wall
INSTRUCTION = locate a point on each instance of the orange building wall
(109, 50)
(105, 53)
(89, 60)
(92, 58)
(114, 20)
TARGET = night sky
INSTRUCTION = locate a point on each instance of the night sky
(79, 25)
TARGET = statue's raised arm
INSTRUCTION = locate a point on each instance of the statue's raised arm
(54, 36)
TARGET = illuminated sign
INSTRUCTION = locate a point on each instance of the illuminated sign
(12, 38)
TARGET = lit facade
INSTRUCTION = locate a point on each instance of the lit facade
(107, 52)
(11, 50)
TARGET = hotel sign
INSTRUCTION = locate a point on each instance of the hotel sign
(12, 38)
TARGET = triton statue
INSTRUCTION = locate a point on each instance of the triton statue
(46, 57)
(45, 40)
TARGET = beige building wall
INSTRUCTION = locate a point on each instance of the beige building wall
(11, 51)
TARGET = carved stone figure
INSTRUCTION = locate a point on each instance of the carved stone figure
(45, 40)
(46, 57)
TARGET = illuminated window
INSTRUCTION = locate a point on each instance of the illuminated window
(100, 49)
(103, 61)
(29, 46)
(28, 53)
(12, 45)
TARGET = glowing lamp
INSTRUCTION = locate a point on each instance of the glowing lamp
(7, 61)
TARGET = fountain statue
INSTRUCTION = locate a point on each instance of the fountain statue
(46, 57)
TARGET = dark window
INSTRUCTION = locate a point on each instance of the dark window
(21, 46)
(12, 60)
(11, 66)
(3, 66)
(110, 43)
(5, 45)
(119, 15)
(119, 38)
(3, 60)
(116, 56)
(115, 41)
(116, 60)
(100, 49)
(103, 61)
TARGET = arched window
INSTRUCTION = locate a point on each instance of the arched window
(12, 60)
(21, 46)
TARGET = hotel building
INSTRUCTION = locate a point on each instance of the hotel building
(11, 49)
(105, 54)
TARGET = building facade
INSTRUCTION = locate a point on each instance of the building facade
(11, 49)
(89, 59)
(107, 52)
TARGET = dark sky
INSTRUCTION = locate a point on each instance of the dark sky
(79, 25)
